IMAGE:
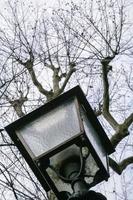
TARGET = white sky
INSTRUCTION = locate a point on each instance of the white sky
(51, 3)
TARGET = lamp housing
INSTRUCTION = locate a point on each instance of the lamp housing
(63, 140)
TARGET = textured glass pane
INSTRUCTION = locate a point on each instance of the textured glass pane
(94, 139)
(90, 166)
(60, 184)
(51, 129)
(91, 169)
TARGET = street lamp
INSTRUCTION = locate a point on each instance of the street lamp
(65, 145)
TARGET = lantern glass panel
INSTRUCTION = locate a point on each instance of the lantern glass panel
(50, 130)
(93, 137)
(54, 170)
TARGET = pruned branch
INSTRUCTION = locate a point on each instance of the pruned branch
(29, 66)
(68, 76)
(121, 166)
(128, 121)
(35, 81)
(122, 131)
(106, 100)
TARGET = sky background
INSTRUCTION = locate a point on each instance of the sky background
(118, 179)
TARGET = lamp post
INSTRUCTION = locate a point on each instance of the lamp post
(65, 146)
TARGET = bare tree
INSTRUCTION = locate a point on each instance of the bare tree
(42, 55)
(107, 34)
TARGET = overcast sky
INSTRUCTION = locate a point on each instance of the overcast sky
(52, 3)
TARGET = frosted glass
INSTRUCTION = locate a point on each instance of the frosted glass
(51, 129)
(94, 140)
(90, 167)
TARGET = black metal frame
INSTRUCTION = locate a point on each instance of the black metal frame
(40, 173)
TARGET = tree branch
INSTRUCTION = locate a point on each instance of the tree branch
(29, 66)
(17, 105)
(128, 121)
(39, 86)
(122, 131)
(56, 80)
(105, 70)
(68, 76)
(120, 167)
